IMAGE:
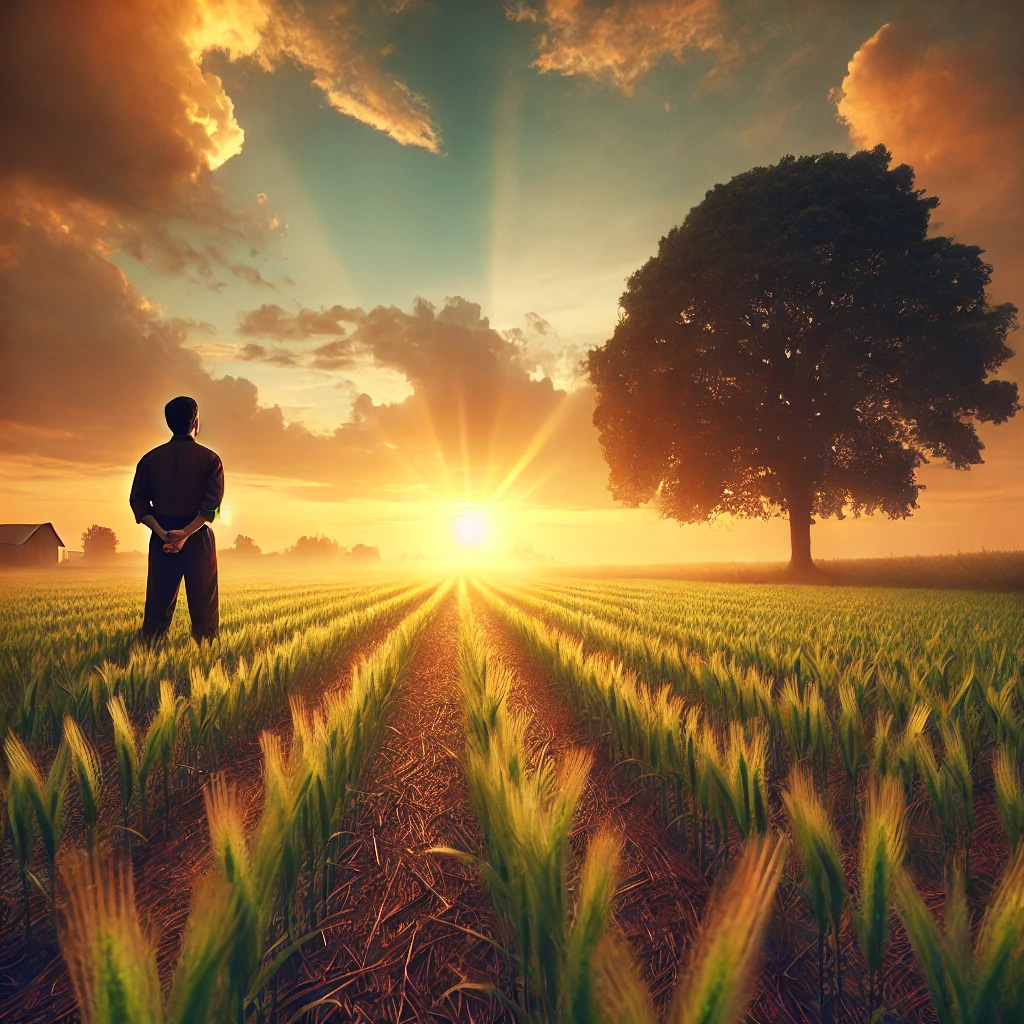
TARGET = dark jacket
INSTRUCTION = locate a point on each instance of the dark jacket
(179, 480)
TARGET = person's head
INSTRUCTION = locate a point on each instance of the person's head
(182, 415)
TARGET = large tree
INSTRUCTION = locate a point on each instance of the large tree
(800, 345)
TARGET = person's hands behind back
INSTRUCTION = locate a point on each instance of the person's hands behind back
(175, 541)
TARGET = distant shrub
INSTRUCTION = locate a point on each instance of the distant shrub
(99, 543)
(318, 547)
(246, 546)
(324, 549)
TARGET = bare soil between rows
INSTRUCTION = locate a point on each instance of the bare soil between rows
(407, 927)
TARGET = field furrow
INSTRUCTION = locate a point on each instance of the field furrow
(405, 926)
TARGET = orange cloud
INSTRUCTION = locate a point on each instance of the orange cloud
(623, 40)
(347, 72)
(87, 365)
(107, 104)
(952, 109)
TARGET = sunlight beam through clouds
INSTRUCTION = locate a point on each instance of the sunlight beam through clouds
(436, 407)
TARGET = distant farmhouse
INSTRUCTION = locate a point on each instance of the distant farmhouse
(29, 544)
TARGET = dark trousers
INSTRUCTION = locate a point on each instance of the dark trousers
(196, 563)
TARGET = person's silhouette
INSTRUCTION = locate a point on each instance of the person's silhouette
(177, 491)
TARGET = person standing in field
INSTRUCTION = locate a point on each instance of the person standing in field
(177, 492)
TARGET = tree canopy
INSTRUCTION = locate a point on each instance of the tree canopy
(99, 542)
(246, 546)
(799, 346)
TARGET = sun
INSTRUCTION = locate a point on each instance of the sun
(471, 530)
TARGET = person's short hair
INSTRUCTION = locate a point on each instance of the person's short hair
(180, 412)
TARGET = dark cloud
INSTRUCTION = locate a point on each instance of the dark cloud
(112, 126)
(250, 275)
(271, 321)
(108, 102)
(335, 355)
(253, 353)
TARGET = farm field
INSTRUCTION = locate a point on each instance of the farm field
(492, 798)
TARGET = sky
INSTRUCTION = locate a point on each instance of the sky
(375, 239)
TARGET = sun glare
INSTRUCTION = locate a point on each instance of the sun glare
(471, 530)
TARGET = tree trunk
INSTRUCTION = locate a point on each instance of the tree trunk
(800, 534)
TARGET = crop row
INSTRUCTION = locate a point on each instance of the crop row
(103, 632)
(572, 966)
(259, 902)
(67, 677)
(77, 622)
(821, 704)
(185, 734)
(711, 737)
(775, 628)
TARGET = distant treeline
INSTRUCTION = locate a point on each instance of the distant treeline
(317, 548)
(978, 570)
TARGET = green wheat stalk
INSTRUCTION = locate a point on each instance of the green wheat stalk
(979, 983)
(24, 778)
(85, 763)
(719, 980)
(823, 871)
(111, 962)
(883, 841)
(127, 752)
(1009, 796)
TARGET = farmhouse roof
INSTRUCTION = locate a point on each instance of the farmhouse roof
(19, 533)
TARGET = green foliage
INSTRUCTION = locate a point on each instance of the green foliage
(85, 765)
(800, 345)
(850, 732)
(111, 962)
(971, 983)
(823, 866)
(582, 972)
(23, 780)
(701, 694)
(717, 982)
(740, 778)
(127, 752)
(882, 848)
(159, 745)
(819, 850)
(222, 967)
(720, 978)
(1009, 796)
(525, 805)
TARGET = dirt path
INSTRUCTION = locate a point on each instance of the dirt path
(411, 925)
(165, 869)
